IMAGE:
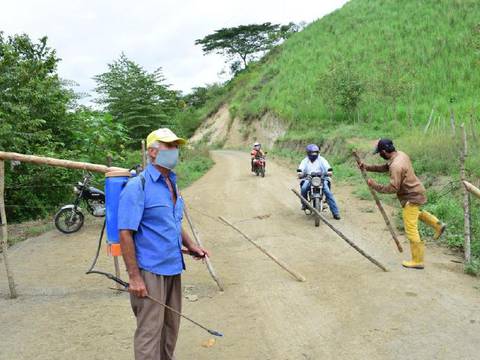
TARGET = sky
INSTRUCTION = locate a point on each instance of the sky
(89, 34)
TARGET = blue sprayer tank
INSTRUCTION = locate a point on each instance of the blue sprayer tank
(114, 183)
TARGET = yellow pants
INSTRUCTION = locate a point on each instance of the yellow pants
(411, 215)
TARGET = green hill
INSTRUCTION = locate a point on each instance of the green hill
(377, 68)
(407, 56)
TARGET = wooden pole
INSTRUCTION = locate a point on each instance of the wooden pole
(144, 155)
(452, 122)
(196, 237)
(4, 233)
(41, 160)
(379, 205)
(284, 266)
(339, 233)
(429, 121)
(466, 198)
(471, 188)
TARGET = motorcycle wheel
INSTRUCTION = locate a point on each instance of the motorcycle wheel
(316, 205)
(262, 171)
(69, 220)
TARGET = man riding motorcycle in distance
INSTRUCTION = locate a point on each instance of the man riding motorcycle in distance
(314, 163)
(256, 153)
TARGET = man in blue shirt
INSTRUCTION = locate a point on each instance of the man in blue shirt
(314, 163)
(151, 238)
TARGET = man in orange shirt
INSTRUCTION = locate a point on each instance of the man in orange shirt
(411, 194)
(256, 153)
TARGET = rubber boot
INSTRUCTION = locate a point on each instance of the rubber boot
(433, 222)
(418, 252)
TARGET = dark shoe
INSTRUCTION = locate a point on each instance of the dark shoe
(337, 217)
(304, 207)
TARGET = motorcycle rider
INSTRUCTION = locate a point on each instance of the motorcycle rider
(314, 163)
(256, 153)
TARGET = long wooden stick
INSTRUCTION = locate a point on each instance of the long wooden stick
(41, 160)
(472, 188)
(338, 232)
(284, 266)
(379, 205)
(196, 237)
(4, 233)
(144, 155)
(466, 198)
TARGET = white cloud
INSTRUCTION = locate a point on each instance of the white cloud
(89, 34)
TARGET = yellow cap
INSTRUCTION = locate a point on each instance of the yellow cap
(164, 135)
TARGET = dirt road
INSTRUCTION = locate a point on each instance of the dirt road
(347, 308)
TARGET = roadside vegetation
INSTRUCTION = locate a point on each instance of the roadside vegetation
(40, 114)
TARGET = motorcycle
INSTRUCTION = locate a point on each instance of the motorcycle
(316, 195)
(259, 166)
(70, 218)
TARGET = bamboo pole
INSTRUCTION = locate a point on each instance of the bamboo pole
(338, 232)
(284, 266)
(41, 160)
(196, 237)
(4, 233)
(471, 188)
(466, 198)
(144, 155)
(379, 205)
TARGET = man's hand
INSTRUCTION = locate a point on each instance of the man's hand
(137, 287)
(197, 252)
(371, 183)
(362, 166)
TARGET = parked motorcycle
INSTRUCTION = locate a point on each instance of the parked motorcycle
(315, 195)
(259, 166)
(70, 218)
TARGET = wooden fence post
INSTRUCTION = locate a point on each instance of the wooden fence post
(429, 121)
(4, 232)
(466, 197)
(452, 122)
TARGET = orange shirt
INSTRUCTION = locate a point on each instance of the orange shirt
(256, 153)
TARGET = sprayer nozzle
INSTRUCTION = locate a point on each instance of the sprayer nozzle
(216, 333)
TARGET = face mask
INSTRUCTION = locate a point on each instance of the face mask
(313, 157)
(383, 155)
(167, 159)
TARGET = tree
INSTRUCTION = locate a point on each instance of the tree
(33, 101)
(341, 88)
(140, 100)
(240, 44)
(35, 118)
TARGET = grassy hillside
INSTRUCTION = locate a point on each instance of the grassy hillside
(377, 68)
(407, 55)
